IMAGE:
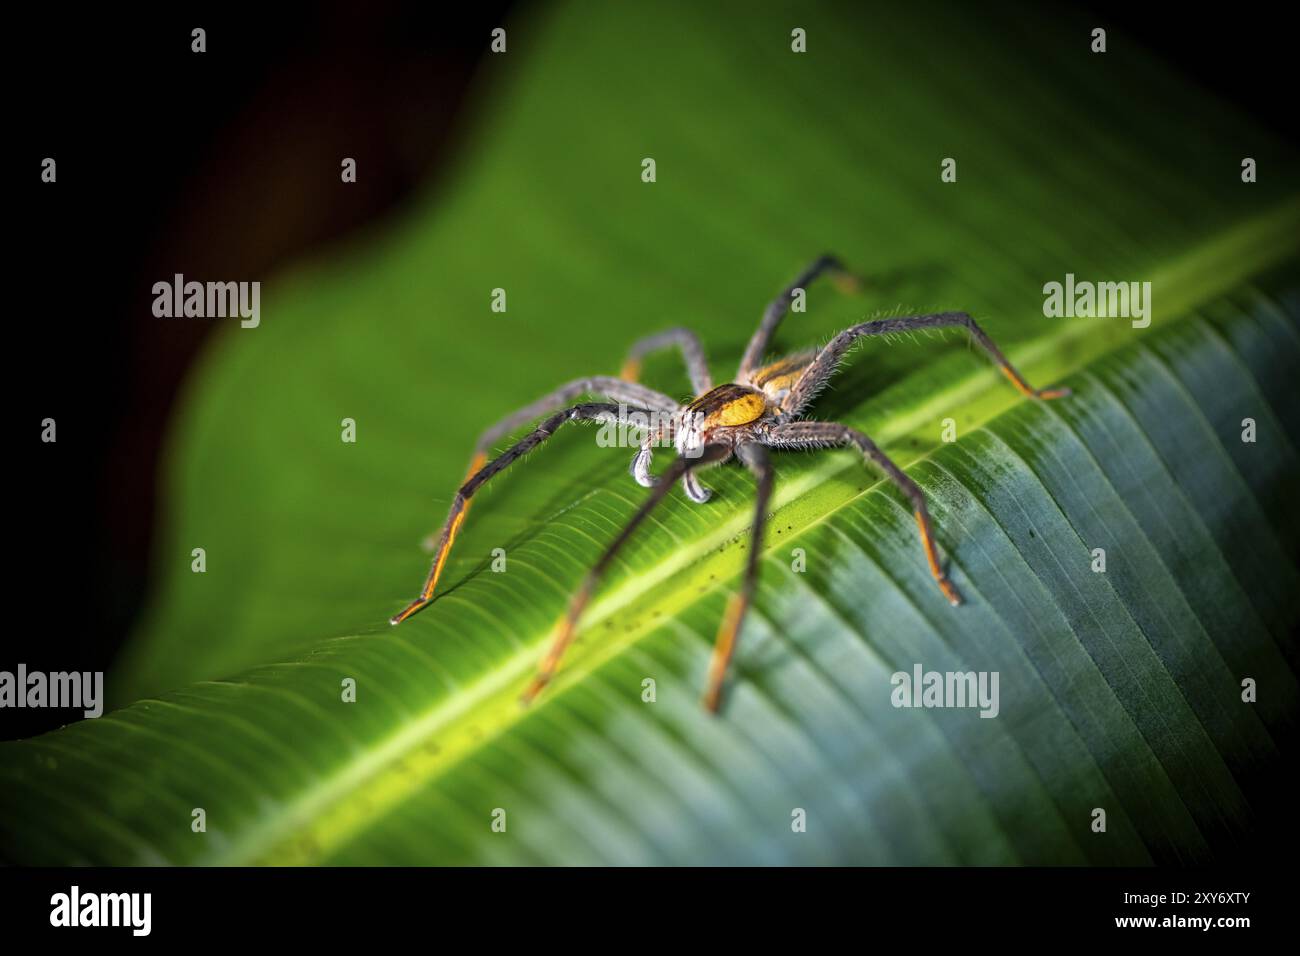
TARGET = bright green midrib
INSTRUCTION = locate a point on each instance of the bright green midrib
(329, 815)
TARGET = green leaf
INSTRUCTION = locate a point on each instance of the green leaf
(1119, 690)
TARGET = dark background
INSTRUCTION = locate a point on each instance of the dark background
(226, 165)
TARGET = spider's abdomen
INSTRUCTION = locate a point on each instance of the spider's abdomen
(728, 405)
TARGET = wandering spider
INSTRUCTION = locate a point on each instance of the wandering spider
(762, 409)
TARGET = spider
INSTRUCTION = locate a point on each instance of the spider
(763, 408)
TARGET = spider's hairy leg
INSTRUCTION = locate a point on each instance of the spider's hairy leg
(756, 457)
(827, 434)
(460, 504)
(608, 388)
(430, 543)
(692, 352)
(823, 366)
(710, 454)
(775, 312)
(636, 396)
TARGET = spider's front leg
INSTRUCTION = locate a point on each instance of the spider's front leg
(594, 411)
(830, 434)
(709, 455)
(821, 368)
(636, 396)
(756, 458)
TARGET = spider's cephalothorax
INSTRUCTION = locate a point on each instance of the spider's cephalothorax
(763, 408)
(719, 416)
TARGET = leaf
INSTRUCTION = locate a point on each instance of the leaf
(1119, 690)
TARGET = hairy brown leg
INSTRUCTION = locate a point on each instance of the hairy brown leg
(697, 367)
(756, 457)
(460, 504)
(636, 396)
(823, 366)
(828, 434)
(711, 454)
(779, 306)
(605, 387)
